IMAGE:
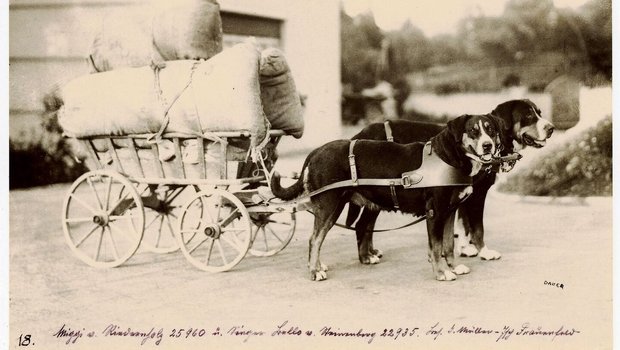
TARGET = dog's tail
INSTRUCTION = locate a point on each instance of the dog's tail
(287, 193)
(352, 214)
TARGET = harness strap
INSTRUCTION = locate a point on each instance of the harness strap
(393, 193)
(388, 131)
(352, 164)
(405, 181)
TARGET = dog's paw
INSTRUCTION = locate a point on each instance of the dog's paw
(320, 275)
(370, 259)
(488, 254)
(446, 275)
(377, 252)
(461, 270)
(469, 250)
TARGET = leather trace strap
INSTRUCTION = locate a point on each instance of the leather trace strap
(393, 194)
(352, 163)
(388, 131)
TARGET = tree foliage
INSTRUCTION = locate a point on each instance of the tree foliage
(525, 31)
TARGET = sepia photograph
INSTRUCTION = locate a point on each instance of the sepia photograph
(308, 174)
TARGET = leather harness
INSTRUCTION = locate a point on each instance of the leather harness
(433, 172)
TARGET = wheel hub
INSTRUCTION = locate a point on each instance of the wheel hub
(101, 219)
(214, 231)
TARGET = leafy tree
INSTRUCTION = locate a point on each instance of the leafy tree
(360, 49)
(597, 28)
(410, 51)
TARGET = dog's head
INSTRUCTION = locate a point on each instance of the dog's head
(473, 140)
(480, 136)
(523, 124)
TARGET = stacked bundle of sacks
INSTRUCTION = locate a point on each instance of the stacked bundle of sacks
(164, 70)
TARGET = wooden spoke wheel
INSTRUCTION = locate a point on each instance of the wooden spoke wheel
(103, 218)
(272, 232)
(214, 230)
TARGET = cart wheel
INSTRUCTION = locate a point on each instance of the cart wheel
(214, 230)
(103, 218)
(272, 232)
(161, 210)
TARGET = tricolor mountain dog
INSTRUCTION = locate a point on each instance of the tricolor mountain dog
(456, 149)
(522, 126)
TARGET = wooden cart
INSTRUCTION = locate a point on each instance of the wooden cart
(202, 197)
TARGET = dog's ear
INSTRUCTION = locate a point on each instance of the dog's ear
(505, 112)
(500, 126)
(456, 127)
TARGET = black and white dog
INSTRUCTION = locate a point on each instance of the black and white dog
(522, 126)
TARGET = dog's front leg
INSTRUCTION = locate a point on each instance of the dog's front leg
(435, 226)
(474, 207)
(448, 246)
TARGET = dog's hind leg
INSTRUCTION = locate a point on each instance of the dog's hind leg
(363, 231)
(326, 212)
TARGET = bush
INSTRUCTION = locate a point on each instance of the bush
(581, 167)
(38, 161)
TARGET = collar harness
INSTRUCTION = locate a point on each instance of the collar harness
(433, 172)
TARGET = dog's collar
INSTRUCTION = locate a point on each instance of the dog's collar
(498, 163)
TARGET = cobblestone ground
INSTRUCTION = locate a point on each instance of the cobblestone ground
(542, 242)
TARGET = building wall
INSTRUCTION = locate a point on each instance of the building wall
(49, 39)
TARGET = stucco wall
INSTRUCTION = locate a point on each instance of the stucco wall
(48, 40)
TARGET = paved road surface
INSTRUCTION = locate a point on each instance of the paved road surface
(565, 243)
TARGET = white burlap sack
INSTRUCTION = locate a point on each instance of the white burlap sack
(188, 29)
(220, 94)
(183, 29)
(280, 98)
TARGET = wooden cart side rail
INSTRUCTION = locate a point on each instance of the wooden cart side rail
(113, 143)
(208, 182)
(207, 135)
